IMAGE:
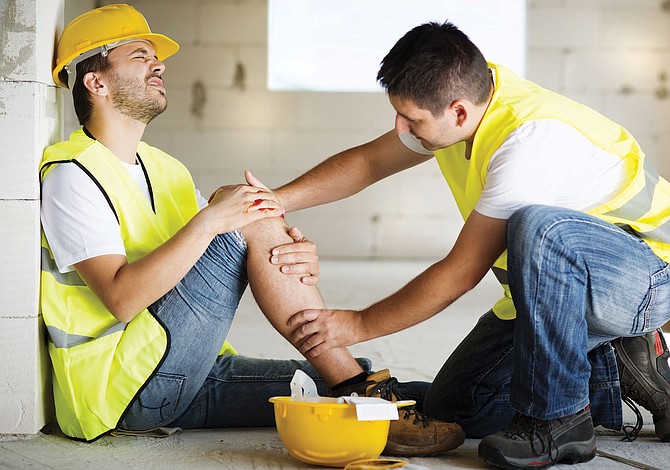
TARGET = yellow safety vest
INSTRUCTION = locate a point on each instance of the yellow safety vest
(641, 206)
(100, 364)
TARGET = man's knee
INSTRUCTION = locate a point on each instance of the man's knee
(266, 233)
(528, 218)
(531, 224)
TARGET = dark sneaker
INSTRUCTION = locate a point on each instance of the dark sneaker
(534, 443)
(414, 434)
(644, 374)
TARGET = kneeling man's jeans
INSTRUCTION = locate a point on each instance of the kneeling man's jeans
(577, 283)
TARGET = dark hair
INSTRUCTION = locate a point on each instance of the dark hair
(80, 95)
(433, 65)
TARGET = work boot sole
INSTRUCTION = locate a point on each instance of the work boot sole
(570, 453)
(399, 450)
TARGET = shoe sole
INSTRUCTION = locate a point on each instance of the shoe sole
(574, 452)
(399, 450)
(664, 432)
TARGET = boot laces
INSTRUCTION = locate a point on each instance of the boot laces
(631, 432)
(419, 418)
(537, 431)
(387, 389)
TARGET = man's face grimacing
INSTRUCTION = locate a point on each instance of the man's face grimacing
(135, 81)
(433, 132)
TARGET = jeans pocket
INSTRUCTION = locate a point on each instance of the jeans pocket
(158, 402)
(655, 308)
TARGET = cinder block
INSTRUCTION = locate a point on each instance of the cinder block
(426, 194)
(640, 113)
(416, 237)
(594, 100)
(27, 53)
(179, 114)
(29, 121)
(255, 61)
(337, 237)
(641, 27)
(244, 22)
(224, 150)
(173, 18)
(613, 71)
(301, 150)
(657, 152)
(74, 8)
(26, 397)
(213, 65)
(340, 111)
(563, 27)
(251, 109)
(19, 254)
(544, 67)
(621, 4)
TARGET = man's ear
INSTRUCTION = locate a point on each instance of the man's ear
(460, 110)
(92, 82)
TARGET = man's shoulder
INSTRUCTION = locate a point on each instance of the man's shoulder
(68, 149)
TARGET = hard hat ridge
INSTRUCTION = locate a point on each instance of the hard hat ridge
(99, 31)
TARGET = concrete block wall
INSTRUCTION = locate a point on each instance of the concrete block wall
(613, 55)
(30, 117)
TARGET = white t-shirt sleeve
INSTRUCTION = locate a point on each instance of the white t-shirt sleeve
(413, 144)
(548, 162)
(202, 202)
(77, 220)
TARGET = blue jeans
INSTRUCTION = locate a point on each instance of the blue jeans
(577, 283)
(194, 387)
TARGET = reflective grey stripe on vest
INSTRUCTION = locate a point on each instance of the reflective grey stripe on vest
(640, 204)
(62, 339)
(501, 275)
(49, 265)
(660, 233)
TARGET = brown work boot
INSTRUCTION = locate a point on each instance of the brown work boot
(413, 434)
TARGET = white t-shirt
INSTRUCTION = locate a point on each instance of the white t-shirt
(545, 162)
(77, 219)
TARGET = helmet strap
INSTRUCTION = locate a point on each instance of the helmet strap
(103, 50)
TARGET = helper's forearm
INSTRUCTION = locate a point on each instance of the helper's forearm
(481, 242)
(425, 296)
(336, 178)
(349, 172)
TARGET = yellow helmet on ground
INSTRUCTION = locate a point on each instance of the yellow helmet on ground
(100, 30)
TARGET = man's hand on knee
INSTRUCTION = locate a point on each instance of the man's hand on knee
(298, 258)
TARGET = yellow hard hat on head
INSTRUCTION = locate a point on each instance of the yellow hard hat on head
(100, 30)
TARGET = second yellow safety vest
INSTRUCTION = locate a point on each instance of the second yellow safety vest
(642, 206)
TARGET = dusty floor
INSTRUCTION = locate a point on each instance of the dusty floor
(411, 355)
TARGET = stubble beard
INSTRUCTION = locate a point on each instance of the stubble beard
(134, 100)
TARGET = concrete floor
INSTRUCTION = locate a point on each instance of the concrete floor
(411, 355)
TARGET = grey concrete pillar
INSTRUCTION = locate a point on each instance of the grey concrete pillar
(30, 119)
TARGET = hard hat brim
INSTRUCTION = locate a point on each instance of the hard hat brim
(164, 46)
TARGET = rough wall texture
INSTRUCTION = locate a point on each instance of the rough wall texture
(30, 117)
(613, 55)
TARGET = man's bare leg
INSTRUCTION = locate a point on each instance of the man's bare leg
(281, 295)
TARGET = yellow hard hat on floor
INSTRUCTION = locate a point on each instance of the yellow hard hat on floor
(100, 30)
